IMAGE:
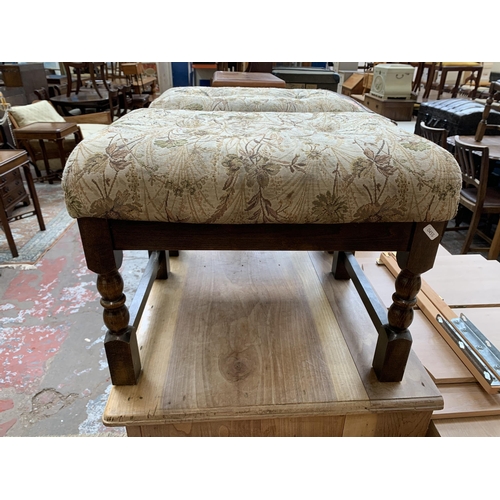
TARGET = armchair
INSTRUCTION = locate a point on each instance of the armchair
(43, 111)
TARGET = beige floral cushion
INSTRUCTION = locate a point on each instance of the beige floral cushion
(254, 99)
(243, 168)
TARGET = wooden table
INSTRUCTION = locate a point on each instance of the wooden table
(492, 141)
(84, 100)
(49, 131)
(242, 79)
(12, 160)
(263, 344)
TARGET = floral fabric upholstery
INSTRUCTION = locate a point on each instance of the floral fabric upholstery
(223, 167)
(254, 99)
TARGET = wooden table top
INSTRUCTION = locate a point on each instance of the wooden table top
(254, 334)
(11, 158)
(85, 98)
(243, 79)
(46, 130)
(492, 141)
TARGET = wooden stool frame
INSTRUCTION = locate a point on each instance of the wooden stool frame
(104, 240)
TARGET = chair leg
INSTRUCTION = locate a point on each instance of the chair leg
(442, 80)
(495, 245)
(4, 222)
(476, 216)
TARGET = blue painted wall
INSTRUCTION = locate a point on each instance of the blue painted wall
(180, 74)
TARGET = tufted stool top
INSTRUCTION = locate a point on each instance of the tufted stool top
(254, 99)
(223, 167)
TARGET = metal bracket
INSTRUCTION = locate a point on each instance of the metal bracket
(479, 350)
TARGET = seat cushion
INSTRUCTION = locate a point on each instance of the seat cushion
(246, 168)
(41, 111)
(254, 99)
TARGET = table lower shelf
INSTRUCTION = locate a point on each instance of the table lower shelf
(264, 343)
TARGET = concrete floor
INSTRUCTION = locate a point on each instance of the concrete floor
(54, 379)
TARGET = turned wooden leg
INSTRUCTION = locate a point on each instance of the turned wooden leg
(163, 264)
(339, 269)
(394, 341)
(120, 343)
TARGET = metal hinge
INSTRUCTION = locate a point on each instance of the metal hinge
(479, 350)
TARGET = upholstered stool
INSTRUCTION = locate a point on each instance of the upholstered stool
(195, 180)
(255, 99)
(11, 160)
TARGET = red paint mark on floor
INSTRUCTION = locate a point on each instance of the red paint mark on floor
(4, 428)
(25, 353)
(6, 404)
(30, 286)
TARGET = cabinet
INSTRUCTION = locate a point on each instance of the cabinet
(394, 109)
(12, 191)
(23, 78)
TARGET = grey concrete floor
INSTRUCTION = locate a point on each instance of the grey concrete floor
(54, 379)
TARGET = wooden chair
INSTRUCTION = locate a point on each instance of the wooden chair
(42, 94)
(115, 110)
(443, 68)
(436, 135)
(483, 124)
(417, 80)
(93, 70)
(476, 195)
(47, 113)
(137, 79)
(133, 101)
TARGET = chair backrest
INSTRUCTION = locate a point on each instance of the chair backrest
(483, 124)
(74, 70)
(42, 94)
(95, 70)
(474, 163)
(436, 135)
(133, 72)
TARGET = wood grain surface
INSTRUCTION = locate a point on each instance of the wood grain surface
(467, 400)
(468, 427)
(460, 280)
(232, 338)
